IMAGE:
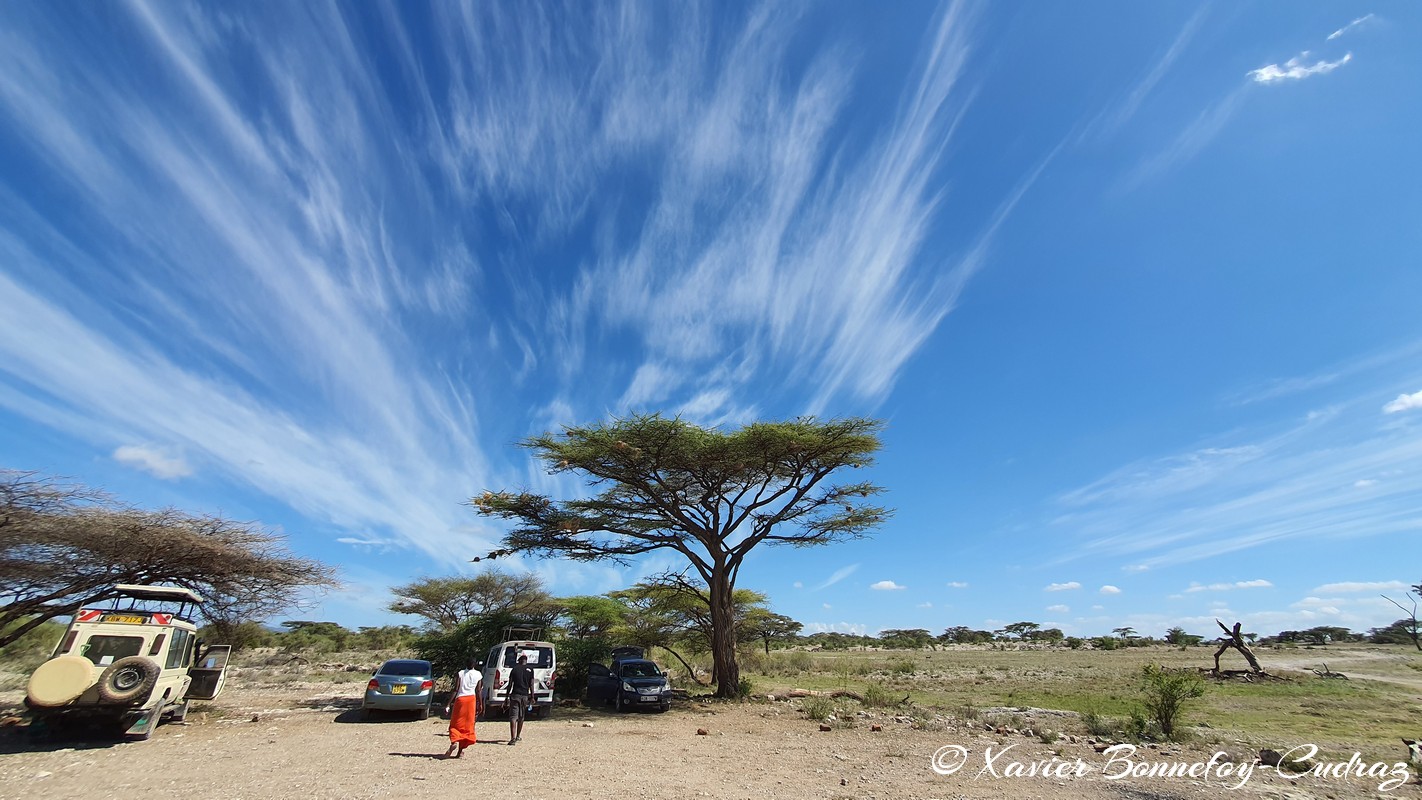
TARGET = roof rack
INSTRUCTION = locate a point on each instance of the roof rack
(523, 633)
(175, 594)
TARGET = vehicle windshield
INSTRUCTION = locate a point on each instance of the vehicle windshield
(640, 670)
(105, 650)
(410, 668)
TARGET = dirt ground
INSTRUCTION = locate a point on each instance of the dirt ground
(306, 740)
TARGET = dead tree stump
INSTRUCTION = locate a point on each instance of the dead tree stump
(1234, 639)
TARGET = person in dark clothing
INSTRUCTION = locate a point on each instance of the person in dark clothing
(520, 692)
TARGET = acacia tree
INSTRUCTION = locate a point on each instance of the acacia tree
(771, 627)
(669, 608)
(64, 547)
(708, 494)
(447, 602)
(1410, 625)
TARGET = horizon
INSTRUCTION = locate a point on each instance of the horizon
(1134, 289)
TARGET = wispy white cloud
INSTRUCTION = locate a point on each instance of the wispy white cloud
(1295, 69)
(798, 584)
(1193, 138)
(957, 584)
(1109, 589)
(853, 628)
(1062, 587)
(1059, 609)
(1404, 402)
(925, 605)
(1224, 587)
(1351, 587)
(1107, 123)
(886, 586)
(154, 460)
(1350, 26)
(1247, 489)
(838, 575)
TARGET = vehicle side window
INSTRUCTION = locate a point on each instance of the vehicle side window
(178, 648)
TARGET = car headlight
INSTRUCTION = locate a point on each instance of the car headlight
(627, 687)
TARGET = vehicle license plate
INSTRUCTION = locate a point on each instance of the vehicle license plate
(129, 618)
(649, 698)
(398, 688)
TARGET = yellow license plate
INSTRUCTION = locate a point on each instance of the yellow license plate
(129, 618)
(398, 688)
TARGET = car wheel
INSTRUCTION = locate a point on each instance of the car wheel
(623, 705)
(425, 712)
(664, 708)
(365, 715)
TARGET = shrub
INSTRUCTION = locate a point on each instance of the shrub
(876, 696)
(817, 707)
(904, 667)
(745, 688)
(1166, 692)
(1097, 725)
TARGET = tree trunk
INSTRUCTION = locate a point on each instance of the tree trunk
(723, 636)
(1235, 640)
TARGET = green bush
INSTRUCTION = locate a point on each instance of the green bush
(1097, 725)
(818, 707)
(745, 688)
(876, 696)
(904, 667)
(1165, 693)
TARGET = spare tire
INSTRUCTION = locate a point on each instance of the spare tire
(60, 681)
(129, 680)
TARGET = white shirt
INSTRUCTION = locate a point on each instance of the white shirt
(468, 682)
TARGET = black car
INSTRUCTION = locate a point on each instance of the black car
(628, 684)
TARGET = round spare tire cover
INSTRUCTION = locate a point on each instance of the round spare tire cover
(60, 681)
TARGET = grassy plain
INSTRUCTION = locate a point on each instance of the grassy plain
(1370, 711)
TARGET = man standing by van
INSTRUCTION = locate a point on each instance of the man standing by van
(520, 694)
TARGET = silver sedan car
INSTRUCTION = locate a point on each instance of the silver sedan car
(400, 684)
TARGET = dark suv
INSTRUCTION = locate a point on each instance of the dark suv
(629, 683)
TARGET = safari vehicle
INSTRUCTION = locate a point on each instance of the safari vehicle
(501, 661)
(132, 663)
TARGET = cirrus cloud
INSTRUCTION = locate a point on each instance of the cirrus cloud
(1224, 587)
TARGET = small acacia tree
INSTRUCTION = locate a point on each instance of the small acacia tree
(63, 547)
(447, 602)
(708, 494)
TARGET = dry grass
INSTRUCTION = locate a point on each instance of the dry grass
(1340, 716)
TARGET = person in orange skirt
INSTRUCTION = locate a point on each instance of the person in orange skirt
(463, 709)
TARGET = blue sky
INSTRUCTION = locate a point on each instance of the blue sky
(1136, 287)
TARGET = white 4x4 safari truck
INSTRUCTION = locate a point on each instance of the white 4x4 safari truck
(133, 663)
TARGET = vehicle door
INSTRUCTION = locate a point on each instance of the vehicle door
(601, 683)
(209, 673)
